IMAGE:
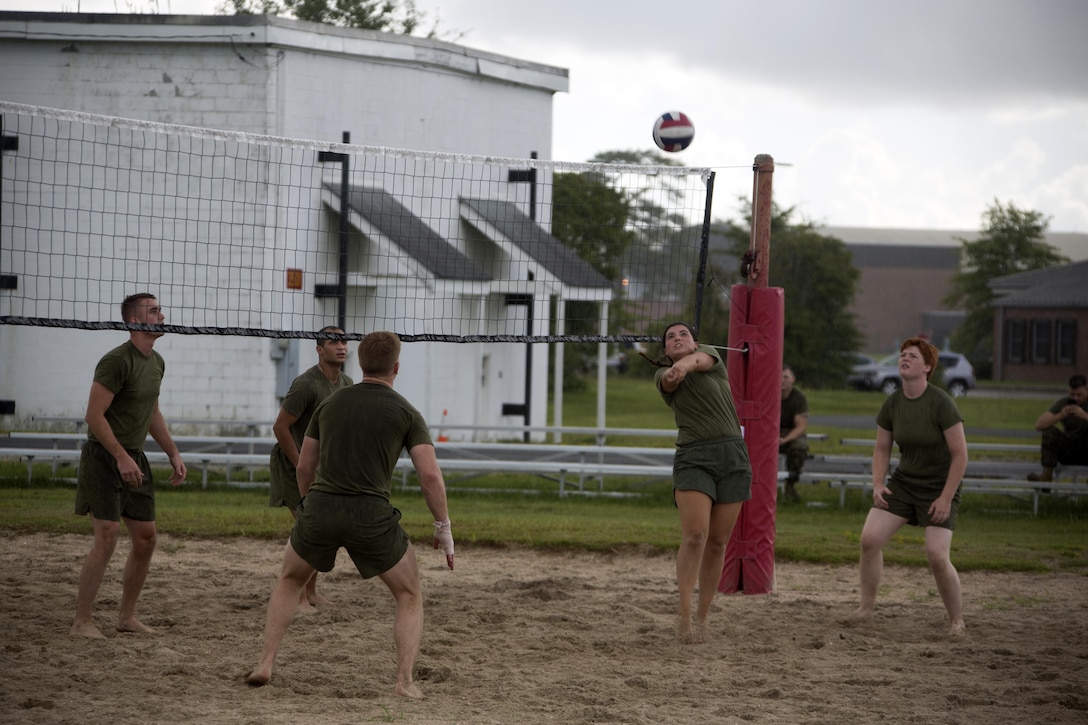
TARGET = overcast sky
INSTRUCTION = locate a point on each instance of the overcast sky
(912, 114)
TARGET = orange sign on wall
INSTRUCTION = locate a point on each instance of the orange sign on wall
(294, 279)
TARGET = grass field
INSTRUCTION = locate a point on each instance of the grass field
(994, 532)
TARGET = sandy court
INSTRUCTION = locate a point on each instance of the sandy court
(519, 636)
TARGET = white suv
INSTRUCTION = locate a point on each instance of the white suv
(959, 375)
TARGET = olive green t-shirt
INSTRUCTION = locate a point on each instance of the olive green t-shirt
(362, 431)
(1073, 427)
(793, 405)
(307, 390)
(134, 379)
(702, 404)
(918, 427)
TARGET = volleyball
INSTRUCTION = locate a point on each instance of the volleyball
(673, 131)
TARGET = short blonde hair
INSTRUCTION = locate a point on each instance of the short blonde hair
(379, 352)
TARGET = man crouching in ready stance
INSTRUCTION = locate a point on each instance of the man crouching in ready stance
(345, 471)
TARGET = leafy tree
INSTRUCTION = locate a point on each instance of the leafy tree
(625, 229)
(1011, 241)
(639, 157)
(820, 281)
(645, 211)
(591, 218)
(393, 16)
(663, 250)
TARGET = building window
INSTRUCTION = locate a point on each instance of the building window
(1015, 340)
(1041, 341)
(1065, 342)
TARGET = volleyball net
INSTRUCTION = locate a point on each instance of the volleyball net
(249, 235)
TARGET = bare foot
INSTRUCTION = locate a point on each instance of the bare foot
(86, 629)
(316, 600)
(858, 616)
(691, 637)
(410, 690)
(686, 634)
(304, 606)
(957, 629)
(135, 626)
(683, 630)
(259, 677)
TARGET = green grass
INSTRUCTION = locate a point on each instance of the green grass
(994, 532)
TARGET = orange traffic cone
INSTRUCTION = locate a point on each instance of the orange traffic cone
(442, 437)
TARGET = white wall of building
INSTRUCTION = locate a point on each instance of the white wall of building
(409, 106)
(282, 78)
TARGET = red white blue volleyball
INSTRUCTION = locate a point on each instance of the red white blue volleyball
(673, 131)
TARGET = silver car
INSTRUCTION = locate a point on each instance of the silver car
(959, 374)
(883, 374)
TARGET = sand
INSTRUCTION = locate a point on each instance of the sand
(521, 636)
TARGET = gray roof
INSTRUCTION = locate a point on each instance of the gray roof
(552, 254)
(1072, 244)
(1064, 286)
(904, 237)
(408, 232)
(904, 256)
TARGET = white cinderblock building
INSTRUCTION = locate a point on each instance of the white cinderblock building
(285, 78)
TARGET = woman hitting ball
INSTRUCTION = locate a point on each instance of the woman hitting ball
(712, 475)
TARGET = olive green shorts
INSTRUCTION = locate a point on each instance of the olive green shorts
(719, 468)
(368, 527)
(912, 503)
(283, 488)
(101, 492)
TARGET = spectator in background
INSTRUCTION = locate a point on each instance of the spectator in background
(1068, 444)
(792, 425)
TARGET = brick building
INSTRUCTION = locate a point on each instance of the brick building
(905, 276)
(1041, 324)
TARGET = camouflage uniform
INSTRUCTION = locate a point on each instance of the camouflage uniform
(796, 451)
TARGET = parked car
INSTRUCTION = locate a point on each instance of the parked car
(857, 378)
(883, 374)
(959, 374)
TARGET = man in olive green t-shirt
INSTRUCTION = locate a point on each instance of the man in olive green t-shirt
(1068, 444)
(114, 480)
(302, 399)
(345, 471)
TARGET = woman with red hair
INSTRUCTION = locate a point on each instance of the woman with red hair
(924, 489)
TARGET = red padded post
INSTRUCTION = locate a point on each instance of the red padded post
(755, 379)
(756, 324)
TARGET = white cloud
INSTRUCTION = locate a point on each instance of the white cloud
(1028, 115)
(1018, 170)
(895, 115)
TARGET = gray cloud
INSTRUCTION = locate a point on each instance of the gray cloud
(959, 52)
